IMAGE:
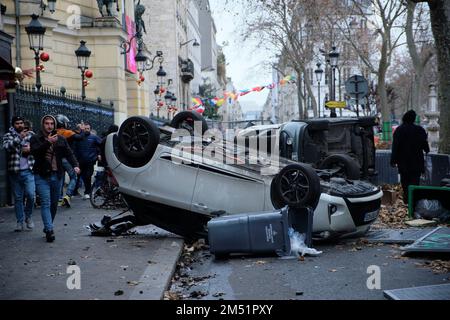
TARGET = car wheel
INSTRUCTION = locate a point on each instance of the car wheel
(186, 119)
(344, 165)
(296, 185)
(138, 139)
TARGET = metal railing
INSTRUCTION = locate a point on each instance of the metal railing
(33, 105)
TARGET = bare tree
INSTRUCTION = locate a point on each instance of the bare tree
(383, 16)
(440, 24)
(292, 28)
(420, 49)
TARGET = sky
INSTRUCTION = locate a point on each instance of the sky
(246, 66)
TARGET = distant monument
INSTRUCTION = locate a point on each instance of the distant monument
(432, 115)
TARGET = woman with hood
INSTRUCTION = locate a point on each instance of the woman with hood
(48, 149)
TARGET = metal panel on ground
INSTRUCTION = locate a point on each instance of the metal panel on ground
(400, 236)
(437, 292)
(386, 174)
(437, 241)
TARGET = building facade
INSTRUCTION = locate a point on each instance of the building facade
(114, 73)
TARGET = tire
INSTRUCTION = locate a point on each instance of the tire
(138, 139)
(186, 119)
(297, 186)
(350, 168)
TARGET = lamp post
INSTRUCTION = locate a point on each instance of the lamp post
(83, 55)
(195, 44)
(319, 74)
(334, 57)
(36, 32)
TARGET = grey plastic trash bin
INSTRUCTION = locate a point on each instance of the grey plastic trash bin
(250, 233)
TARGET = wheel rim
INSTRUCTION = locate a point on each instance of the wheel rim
(98, 197)
(294, 186)
(136, 137)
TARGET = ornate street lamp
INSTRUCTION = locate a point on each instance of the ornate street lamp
(144, 64)
(319, 75)
(36, 32)
(161, 74)
(334, 57)
(83, 55)
(195, 44)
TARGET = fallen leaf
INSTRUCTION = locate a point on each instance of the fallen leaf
(118, 293)
(332, 270)
(133, 283)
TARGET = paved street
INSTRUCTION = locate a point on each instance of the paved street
(131, 267)
(340, 273)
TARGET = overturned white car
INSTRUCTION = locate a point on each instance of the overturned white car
(182, 191)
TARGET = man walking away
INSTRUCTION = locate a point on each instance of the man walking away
(49, 149)
(20, 166)
(87, 151)
(408, 147)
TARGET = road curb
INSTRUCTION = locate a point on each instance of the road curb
(158, 275)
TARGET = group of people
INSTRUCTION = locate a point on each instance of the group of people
(38, 162)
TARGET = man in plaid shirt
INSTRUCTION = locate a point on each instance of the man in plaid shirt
(20, 166)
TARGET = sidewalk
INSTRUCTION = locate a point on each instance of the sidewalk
(132, 267)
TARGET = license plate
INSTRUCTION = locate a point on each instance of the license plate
(371, 216)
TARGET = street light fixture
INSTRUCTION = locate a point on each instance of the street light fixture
(143, 63)
(36, 32)
(319, 75)
(83, 54)
(195, 44)
(334, 57)
(161, 74)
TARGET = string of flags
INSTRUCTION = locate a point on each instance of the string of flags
(198, 103)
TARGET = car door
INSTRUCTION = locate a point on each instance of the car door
(168, 182)
(221, 190)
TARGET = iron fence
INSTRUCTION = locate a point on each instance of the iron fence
(33, 105)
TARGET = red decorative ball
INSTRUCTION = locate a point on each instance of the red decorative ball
(142, 78)
(161, 104)
(88, 74)
(85, 83)
(162, 90)
(45, 56)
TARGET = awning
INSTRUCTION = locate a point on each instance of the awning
(6, 70)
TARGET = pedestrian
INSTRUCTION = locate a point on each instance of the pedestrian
(87, 151)
(49, 149)
(63, 123)
(408, 147)
(20, 166)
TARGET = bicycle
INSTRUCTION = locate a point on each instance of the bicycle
(105, 191)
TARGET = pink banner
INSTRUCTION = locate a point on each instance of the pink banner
(131, 29)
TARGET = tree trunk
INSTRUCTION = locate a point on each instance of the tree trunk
(382, 92)
(299, 96)
(440, 22)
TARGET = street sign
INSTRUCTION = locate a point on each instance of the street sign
(357, 87)
(336, 104)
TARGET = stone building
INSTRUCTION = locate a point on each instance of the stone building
(115, 77)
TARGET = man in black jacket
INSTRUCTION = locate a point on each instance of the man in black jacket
(410, 143)
(48, 149)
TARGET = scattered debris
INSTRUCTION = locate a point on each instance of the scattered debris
(437, 266)
(172, 295)
(110, 240)
(118, 293)
(421, 223)
(260, 262)
(218, 294)
(299, 293)
(72, 263)
(133, 283)
(198, 294)
(393, 216)
(332, 270)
